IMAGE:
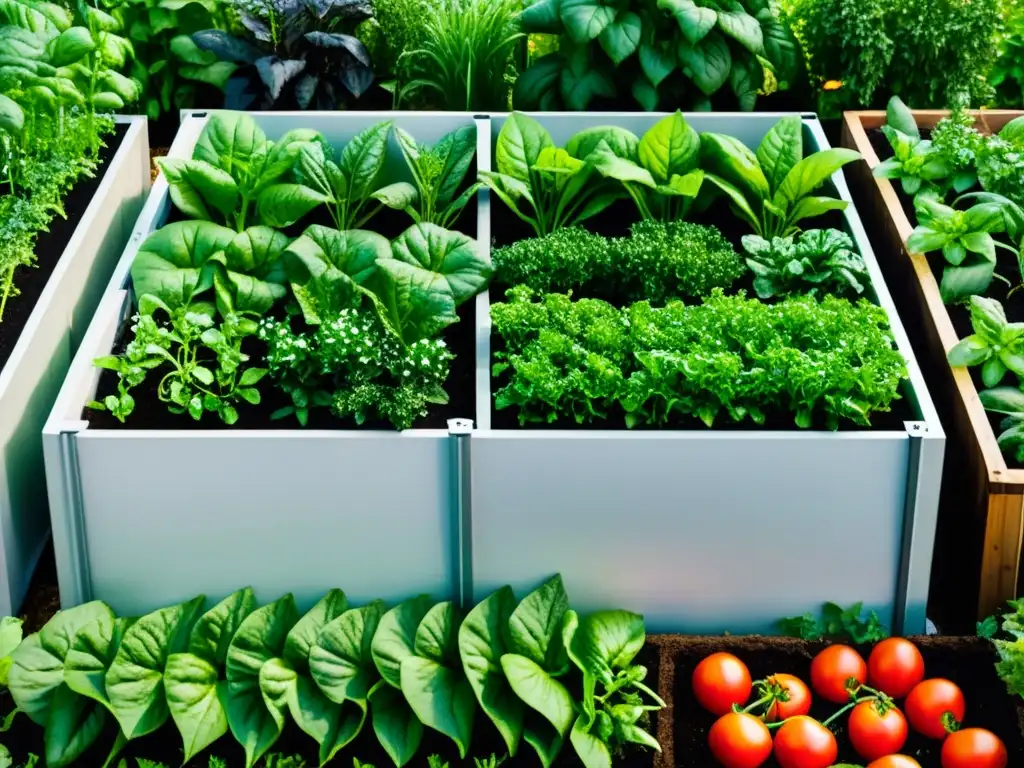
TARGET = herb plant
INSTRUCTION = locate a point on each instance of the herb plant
(464, 58)
(337, 669)
(300, 55)
(917, 163)
(838, 624)
(677, 52)
(659, 260)
(773, 189)
(732, 356)
(438, 173)
(819, 260)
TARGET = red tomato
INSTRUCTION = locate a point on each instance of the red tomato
(799, 702)
(832, 668)
(895, 666)
(720, 681)
(928, 703)
(740, 741)
(974, 748)
(895, 761)
(803, 742)
(874, 735)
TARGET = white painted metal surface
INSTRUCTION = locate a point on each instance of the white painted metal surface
(32, 375)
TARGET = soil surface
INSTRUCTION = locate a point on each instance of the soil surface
(968, 662)
(31, 281)
(615, 222)
(1006, 265)
(165, 744)
(151, 413)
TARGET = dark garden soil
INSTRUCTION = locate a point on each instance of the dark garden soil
(151, 413)
(31, 281)
(968, 662)
(615, 222)
(959, 313)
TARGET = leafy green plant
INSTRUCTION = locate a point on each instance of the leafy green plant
(934, 53)
(296, 56)
(551, 187)
(235, 169)
(916, 162)
(819, 260)
(965, 239)
(463, 60)
(438, 172)
(1007, 74)
(336, 669)
(171, 69)
(1009, 646)
(836, 623)
(1000, 164)
(349, 188)
(584, 360)
(679, 52)
(773, 189)
(658, 261)
(959, 143)
(662, 176)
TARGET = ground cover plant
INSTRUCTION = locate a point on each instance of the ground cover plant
(547, 678)
(655, 328)
(965, 190)
(241, 297)
(657, 54)
(60, 77)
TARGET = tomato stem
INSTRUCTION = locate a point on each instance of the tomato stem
(847, 708)
(758, 703)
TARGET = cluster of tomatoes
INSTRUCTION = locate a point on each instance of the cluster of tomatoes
(877, 728)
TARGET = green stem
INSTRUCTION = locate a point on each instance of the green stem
(847, 708)
(7, 290)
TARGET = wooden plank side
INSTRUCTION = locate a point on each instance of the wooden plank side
(1004, 533)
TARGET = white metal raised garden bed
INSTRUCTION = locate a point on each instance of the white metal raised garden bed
(32, 375)
(707, 531)
(143, 519)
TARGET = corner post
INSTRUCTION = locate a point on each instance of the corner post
(460, 431)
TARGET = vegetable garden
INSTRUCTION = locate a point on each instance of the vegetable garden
(648, 373)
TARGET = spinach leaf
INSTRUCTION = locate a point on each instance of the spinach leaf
(438, 172)
(193, 680)
(818, 260)
(767, 189)
(233, 168)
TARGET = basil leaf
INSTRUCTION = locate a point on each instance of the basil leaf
(670, 148)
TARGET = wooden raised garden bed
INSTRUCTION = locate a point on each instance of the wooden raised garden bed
(981, 514)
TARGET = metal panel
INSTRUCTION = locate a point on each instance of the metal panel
(290, 510)
(699, 531)
(168, 515)
(33, 373)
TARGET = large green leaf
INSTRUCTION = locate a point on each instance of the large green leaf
(603, 641)
(71, 46)
(657, 60)
(972, 277)
(228, 141)
(592, 751)
(397, 727)
(198, 188)
(734, 21)
(259, 639)
(12, 118)
(781, 149)
(173, 263)
(196, 698)
(535, 626)
(281, 205)
(586, 19)
(520, 143)
(431, 272)
(437, 636)
(541, 17)
(540, 691)
(37, 665)
(441, 697)
(303, 636)
(253, 275)
(731, 159)
(669, 148)
(213, 631)
(396, 633)
(92, 653)
(74, 724)
(481, 646)
(1005, 400)
(135, 681)
(363, 158)
(810, 173)
(583, 79)
(708, 62)
(341, 662)
(621, 38)
(694, 21)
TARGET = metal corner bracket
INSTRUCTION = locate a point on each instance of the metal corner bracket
(460, 432)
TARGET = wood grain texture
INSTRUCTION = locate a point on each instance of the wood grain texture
(978, 542)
